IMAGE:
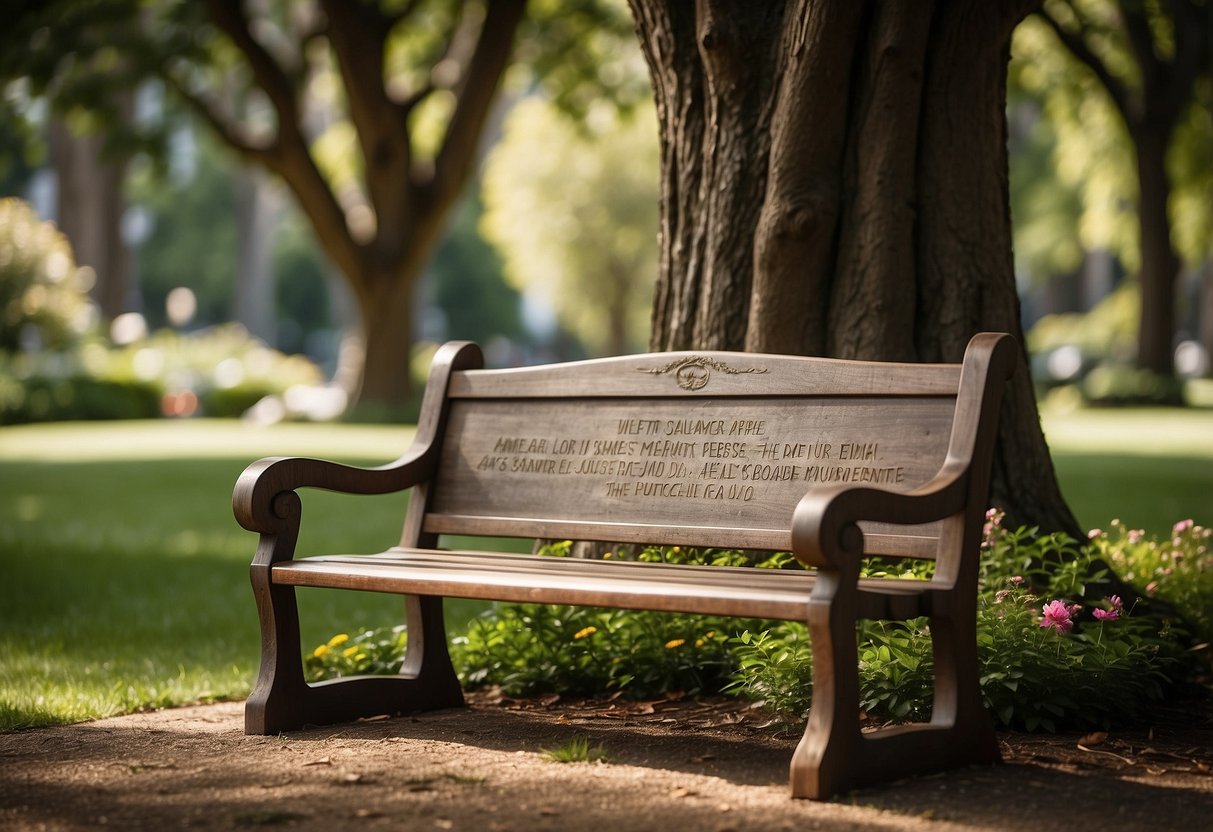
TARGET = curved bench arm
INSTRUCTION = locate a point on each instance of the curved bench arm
(824, 530)
(257, 489)
(263, 500)
(825, 534)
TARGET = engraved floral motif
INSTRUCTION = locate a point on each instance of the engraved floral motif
(694, 372)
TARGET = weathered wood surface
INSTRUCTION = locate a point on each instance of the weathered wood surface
(831, 460)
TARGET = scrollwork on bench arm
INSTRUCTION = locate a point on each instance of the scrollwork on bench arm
(257, 499)
(825, 534)
(261, 502)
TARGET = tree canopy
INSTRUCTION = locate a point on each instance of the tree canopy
(1130, 94)
(574, 211)
(371, 113)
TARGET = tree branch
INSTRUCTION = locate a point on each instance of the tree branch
(228, 133)
(358, 38)
(269, 75)
(1193, 26)
(290, 157)
(1078, 48)
(442, 53)
(475, 94)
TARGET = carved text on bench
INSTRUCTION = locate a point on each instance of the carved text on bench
(713, 459)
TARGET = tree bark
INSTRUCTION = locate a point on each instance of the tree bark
(714, 74)
(876, 218)
(387, 341)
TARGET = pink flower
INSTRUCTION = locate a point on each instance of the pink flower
(1106, 615)
(1116, 603)
(1057, 616)
(1094, 533)
(1135, 535)
(1182, 526)
(1017, 579)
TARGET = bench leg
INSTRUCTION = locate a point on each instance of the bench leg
(822, 761)
(958, 705)
(834, 756)
(282, 700)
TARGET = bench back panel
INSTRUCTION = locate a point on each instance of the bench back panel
(707, 449)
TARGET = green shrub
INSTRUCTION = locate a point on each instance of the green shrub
(218, 372)
(1122, 384)
(1047, 658)
(47, 399)
(536, 648)
(1044, 662)
(369, 653)
(1177, 570)
(43, 294)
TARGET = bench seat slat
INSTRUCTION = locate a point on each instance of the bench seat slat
(727, 591)
(775, 540)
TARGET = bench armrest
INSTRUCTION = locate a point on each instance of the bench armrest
(260, 500)
(825, 534)
(258, 488)
(824, 530)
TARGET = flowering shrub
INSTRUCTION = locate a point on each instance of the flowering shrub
(371, 652)
(1177, 570)
(1045, 663)
(1047, 658)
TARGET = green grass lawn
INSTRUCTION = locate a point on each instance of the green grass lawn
(124, 575)
(1147, 467)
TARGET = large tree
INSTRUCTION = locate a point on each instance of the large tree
(372, 113)
(1148, 58)
(834, 182)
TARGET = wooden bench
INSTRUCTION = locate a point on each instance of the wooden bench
(831, 460)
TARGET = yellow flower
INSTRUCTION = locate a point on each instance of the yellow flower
(608, 555)
(360, 657)
(699, 642)
(338, 640)
(321, 651)
(675, 642)
(349, 651)
(587, 631)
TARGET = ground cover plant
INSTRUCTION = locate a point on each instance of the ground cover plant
(126, 586)
(1049, 657)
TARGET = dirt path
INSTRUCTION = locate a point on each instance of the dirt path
(707, 766)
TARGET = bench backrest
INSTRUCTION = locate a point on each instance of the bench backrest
(705, 448)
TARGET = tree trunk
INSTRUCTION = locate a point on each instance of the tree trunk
(1205, 313)
(385, 306)
(1159, 262)
(253, 298)
(90, 205)
(874, 221)
(714, 71)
